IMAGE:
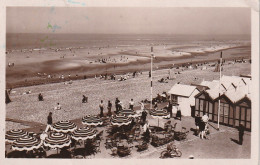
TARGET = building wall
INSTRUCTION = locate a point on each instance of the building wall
(230, 114)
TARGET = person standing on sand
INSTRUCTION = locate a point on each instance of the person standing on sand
(142, 105)
(117, 105)
(40, 97)
(131, 104)
(109, 107)
(101, 106)
(84, 99)
(143, 116)
(169, 109)
(241, 130)
(201, 129)
(49, 122)
(178, 114)
(197, 122)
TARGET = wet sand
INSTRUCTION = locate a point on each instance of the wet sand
(33, 68)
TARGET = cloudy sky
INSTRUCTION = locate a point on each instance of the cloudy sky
(141, 20)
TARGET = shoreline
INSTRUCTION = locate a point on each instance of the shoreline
(84, 72)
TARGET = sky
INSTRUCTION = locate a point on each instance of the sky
(135, 20)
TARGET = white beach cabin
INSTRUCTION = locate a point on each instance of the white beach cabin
(184, 96)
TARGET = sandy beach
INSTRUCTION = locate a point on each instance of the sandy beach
(70, 95)
(33, 65)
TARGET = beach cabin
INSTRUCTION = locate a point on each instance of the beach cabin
(184, 96)
(235, 101)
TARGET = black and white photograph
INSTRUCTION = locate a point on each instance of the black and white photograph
(126, 83)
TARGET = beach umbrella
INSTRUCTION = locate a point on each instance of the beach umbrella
(84, 133)
(128, 113)
(64, 126)
(92, 120)
(160, 114)
(57, 140)
(26, 143)
(120, 120)
(15, 134)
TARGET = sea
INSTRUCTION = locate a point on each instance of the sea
(57, 40)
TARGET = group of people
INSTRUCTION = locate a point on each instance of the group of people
(201, 125)
(118, 106)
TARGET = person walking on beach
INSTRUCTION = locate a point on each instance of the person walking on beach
(117, 105)
(241, 130)
(109, 107)
(101, 106)
(49, 122)
(131, 104)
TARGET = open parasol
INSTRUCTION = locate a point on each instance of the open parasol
(160, 114)
(92, 120)
(120, 120)
(26, 143)
(128, 113)
(15, 134)
(57, 140)
(64, 126)
(84, 133)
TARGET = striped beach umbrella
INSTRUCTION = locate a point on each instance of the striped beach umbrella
(15, 134)
(84, 133)
(26, 143)
(120, 120)
(160, 114)
(57, 140)
(92, 120)
(64, 126)
(129, 113)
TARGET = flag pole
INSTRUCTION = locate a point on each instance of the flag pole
(220, 63)
(151, 105)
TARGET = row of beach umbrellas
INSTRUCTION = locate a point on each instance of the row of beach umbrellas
(21, 140)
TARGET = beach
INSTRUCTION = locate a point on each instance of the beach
(26, 107)
(40, 61)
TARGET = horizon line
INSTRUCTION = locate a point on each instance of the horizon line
(127, 33)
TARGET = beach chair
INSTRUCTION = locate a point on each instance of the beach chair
(100, 135)
(137, 134)
(130, 139)
(108, 143)
(97, 146)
